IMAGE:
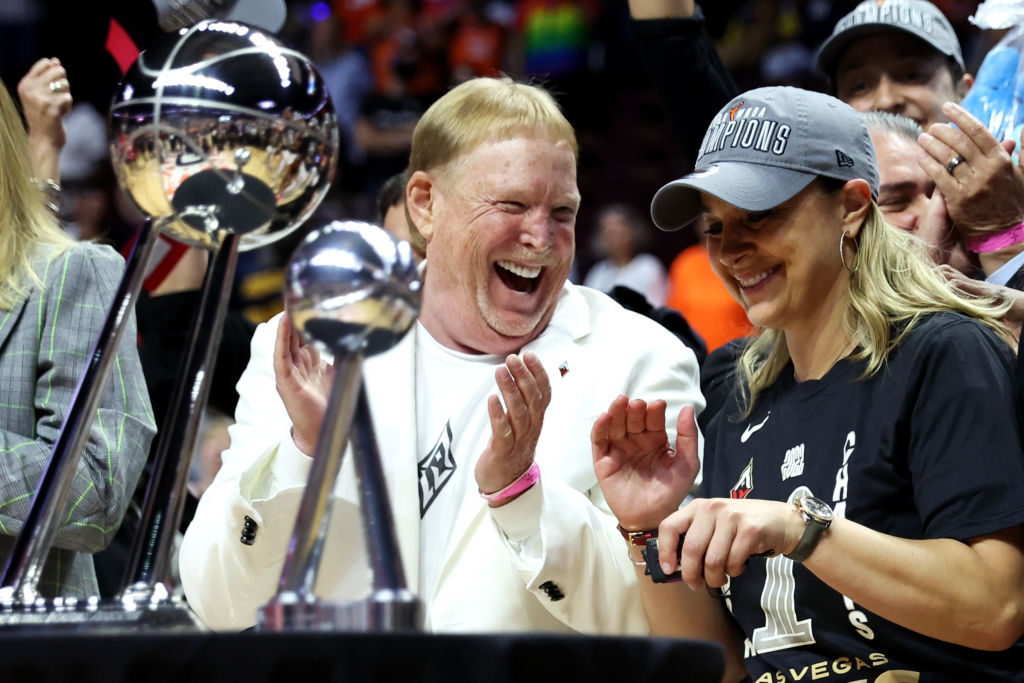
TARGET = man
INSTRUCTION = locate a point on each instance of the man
(906, 194)
(392, 216)
(903, 57)
(492, 190)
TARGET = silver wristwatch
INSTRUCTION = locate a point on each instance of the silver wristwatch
(817, 517)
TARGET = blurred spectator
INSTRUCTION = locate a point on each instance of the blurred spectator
(406, 50)
(478, 44)
(555, 41)
(97, 210)
(392, 216)
(385, 123)
(19, 20)
(345, 69)
(622, 235)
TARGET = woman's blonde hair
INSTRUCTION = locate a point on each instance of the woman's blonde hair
(894, 286)
(27, 220)
(483, 110)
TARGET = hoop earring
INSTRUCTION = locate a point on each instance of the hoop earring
(842, 255)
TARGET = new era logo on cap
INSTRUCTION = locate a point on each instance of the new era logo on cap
(842, 159)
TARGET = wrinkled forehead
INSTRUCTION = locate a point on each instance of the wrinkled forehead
(882, 50)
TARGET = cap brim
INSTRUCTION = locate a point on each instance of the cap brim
(751, 187)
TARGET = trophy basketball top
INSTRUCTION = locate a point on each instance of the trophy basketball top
(222, 127)
(352, 288)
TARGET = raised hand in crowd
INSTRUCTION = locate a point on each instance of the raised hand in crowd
(45, 95)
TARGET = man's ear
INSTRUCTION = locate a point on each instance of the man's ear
(420, 195)
(856, 196)
(962, 86)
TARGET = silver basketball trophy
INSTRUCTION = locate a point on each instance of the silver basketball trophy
(352, 291)
(226, 140)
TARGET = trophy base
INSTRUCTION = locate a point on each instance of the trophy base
(384, 610)
(96, 616)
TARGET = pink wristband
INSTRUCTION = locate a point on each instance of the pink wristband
(1006, 238)
(522, 482)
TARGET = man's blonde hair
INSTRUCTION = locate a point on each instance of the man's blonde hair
(484, 110)
(27, 220)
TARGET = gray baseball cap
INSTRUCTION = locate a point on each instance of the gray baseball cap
(764, 147)
(919, 18)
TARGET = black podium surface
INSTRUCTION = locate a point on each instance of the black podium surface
(345, 657)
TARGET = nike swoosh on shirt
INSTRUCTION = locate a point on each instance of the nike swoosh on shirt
(748, 432)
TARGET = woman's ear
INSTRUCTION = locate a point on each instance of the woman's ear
(856, 199)
(420, 194)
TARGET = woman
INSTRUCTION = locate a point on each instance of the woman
(621, 239)
(54, 298)
(871, 448)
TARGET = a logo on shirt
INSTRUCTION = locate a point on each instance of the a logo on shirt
(793, 462)
(745, 484)
(753, 428)
(436, 469)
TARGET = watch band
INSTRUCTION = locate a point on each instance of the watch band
(813, 530)
(638, 538)
(812, 534)
(637, 541)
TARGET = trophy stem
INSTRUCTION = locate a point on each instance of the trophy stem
(392, 607)
(28, 554)
(303, 560)
(294, 606)
(147, 574)
(378, 521)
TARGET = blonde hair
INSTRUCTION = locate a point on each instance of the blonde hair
(28, 222)
(483, 110)
(894, 286)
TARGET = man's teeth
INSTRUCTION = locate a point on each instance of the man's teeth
(753, 280)
(529, 272)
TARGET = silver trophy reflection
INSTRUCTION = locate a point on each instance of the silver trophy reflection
(352, 291)
(226, 140)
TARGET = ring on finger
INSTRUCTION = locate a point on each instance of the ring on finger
(58, 86)
(953, 163)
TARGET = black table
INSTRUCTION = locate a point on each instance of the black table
(328, 657)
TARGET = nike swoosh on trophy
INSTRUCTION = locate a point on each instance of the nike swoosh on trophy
(748, 432)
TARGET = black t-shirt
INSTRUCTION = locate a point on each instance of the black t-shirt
(928, 447)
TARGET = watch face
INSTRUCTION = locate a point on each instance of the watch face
(816, 508)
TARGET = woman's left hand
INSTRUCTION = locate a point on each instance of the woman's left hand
(721, 534)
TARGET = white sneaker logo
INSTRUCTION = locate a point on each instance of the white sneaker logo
(748, 432)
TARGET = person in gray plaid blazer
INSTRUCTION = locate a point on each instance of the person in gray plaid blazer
(54, 298)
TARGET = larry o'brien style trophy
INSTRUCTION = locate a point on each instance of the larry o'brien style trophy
(225, 139)
(352, 291)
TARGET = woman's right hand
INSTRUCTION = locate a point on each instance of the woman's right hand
(304, 384)
(642, 477)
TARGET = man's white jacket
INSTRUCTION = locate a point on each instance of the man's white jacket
(551, 560)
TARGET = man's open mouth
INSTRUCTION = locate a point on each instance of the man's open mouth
(518, 278)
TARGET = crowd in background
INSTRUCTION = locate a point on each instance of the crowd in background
(385, 61)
